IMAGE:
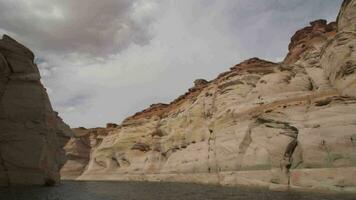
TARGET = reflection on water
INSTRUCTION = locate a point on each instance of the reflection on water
(153, 191)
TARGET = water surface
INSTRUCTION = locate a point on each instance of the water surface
(154, 191)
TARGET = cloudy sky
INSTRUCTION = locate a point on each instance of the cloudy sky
(102, 61)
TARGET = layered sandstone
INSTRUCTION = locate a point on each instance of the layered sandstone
(31, 133)
(278, 125)
(79, 147)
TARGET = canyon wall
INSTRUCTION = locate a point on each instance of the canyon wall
(31, 133)
(79, 147)
(278, 125)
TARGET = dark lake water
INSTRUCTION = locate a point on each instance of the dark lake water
(153, 191)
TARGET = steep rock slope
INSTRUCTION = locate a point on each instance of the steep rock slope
(31, 133)
(79, 147)
(279, 125)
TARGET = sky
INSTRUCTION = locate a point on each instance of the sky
(102, 61)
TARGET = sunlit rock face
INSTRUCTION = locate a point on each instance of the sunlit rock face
(31, 133)
(278, 125)
(347, 16)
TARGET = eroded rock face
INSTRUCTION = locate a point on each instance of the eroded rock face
(31, 133)
(308, 38)
(79, 147)
(278, 125)
(347, 17)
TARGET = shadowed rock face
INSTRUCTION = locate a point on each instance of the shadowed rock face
(31, 133)
(79, 147)
(277, 125)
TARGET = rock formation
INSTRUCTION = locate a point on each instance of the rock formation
(278, 125)
(31, 133)
(79, 147)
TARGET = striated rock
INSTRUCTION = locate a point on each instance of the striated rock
(141, 147)
(32, 134)
(277, 125)
(79, 147)
(346, 19)
(309, 38)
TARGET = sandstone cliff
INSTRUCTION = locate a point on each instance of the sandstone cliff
(31, 133)
(279, 125)
(79, 147)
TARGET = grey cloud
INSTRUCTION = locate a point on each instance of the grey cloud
(88, 26)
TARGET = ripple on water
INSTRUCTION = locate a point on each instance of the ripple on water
(155, 191)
